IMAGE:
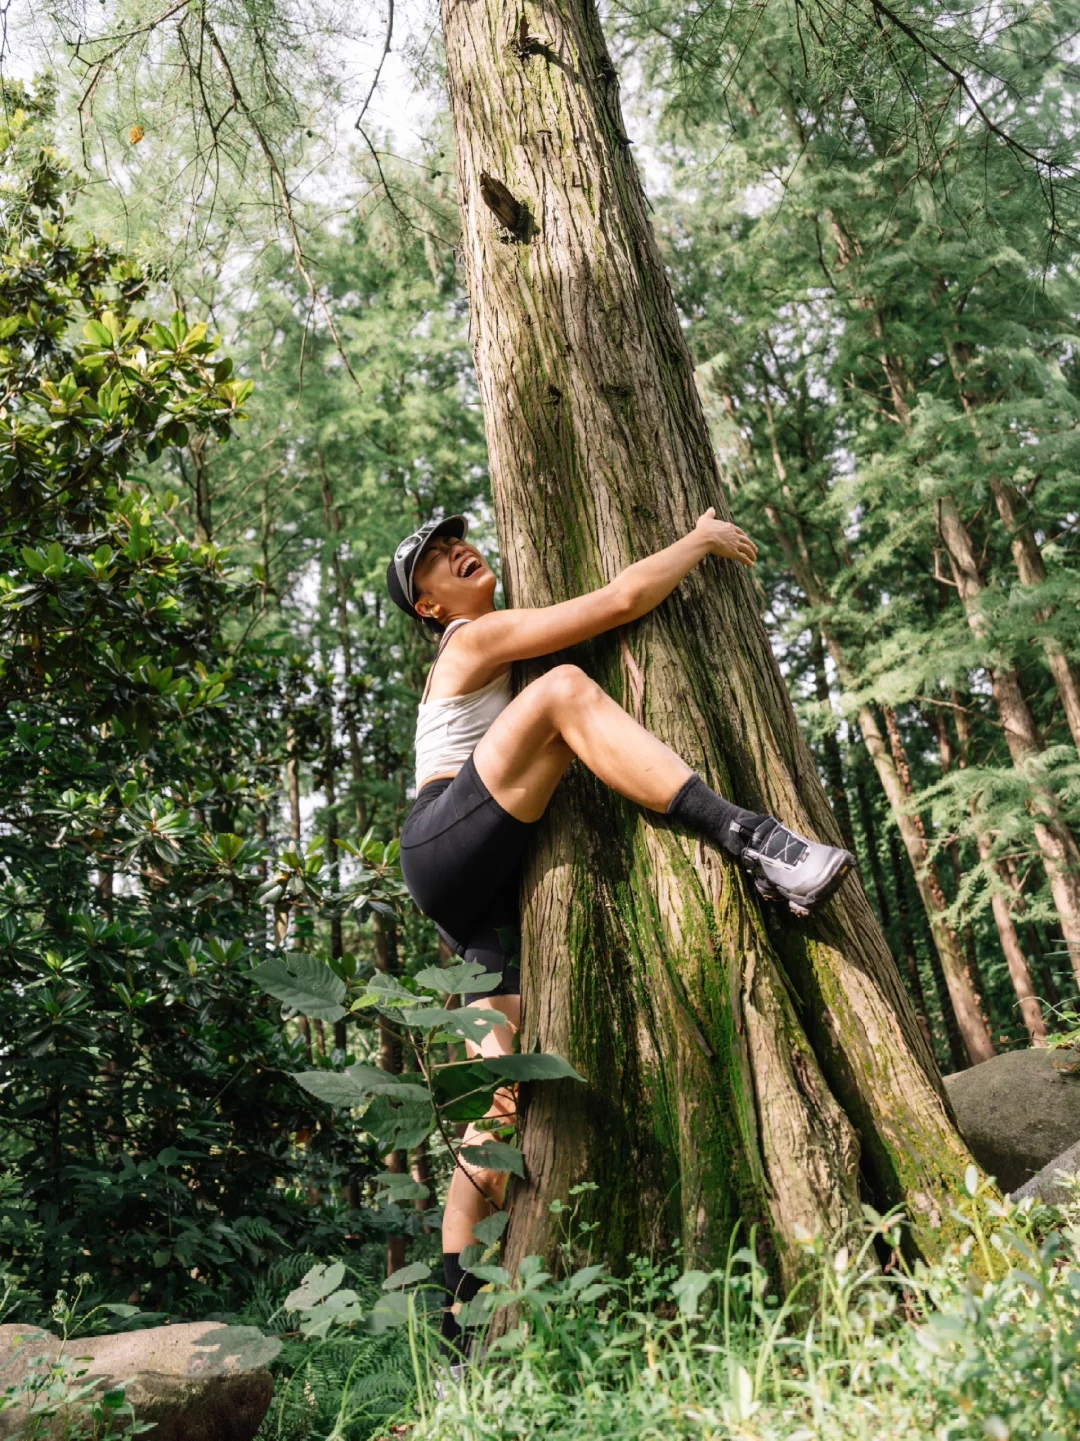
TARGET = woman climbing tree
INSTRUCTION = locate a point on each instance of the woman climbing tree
(488, 763)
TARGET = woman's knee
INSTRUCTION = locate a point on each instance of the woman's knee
(567, 686)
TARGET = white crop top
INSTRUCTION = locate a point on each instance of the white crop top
(447, 730)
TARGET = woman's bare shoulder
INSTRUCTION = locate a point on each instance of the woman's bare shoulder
(462, 666)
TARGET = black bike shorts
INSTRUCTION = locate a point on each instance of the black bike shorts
(461, 857)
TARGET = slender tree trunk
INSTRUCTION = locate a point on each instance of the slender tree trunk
(966, 1000)
(907, 938)
(866, 820)
(1002, 902)
(200, 486)
(420, 1170)
(397, 1162)
(1027, 557)
(834, 762)
(292, 781)
(710, 1099)
(1031, 568)
(947, 757)
(356, 760)
(1055, 840)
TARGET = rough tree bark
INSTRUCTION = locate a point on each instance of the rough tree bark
(741, 1067)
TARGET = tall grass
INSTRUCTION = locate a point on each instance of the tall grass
(983, 1344)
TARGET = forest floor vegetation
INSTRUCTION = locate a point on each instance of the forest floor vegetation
(983, 1344)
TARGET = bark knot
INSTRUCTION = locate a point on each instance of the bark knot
(510, 213)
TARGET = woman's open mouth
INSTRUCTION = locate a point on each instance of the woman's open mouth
(469, 566)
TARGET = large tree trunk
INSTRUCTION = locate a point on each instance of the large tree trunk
(1057, 845)
(740, 1066)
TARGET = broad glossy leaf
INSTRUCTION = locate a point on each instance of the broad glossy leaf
(317, 1284)
(538, 1066)
(456, 980)
(389, 1312)
(398, 1127)
(490, 1275)
(463, 1090)
(305, 983)
(496, 1156)
(491, 1228)
(473, 1025)
(401, 1187)
(374, 1082)
(336, 1088)
(406, 1276)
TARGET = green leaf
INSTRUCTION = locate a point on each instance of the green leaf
(9, 325)
(305, 983)
(463, 1090)
(491, 1228)
(336, 1088)
(418, 1271)
(582, 1278)
(374, 1082)
(496, 1156)
(384, 990)
(316, 1285)
(94, 331)
(33, 560)
(389, 1311)
(536, 1066)
(473, 1025)
(401, 1187)
(491, 1275)
(688, 1290)
(457, 980)
(398, 1127)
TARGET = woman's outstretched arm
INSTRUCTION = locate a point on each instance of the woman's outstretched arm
(509, 635)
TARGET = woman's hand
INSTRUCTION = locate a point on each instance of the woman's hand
(722, 537)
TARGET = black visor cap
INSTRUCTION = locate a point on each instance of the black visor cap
(402, 568)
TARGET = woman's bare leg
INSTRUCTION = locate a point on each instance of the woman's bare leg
(475, 1191)
(561, 715)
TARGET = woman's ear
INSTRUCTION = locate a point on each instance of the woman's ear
(428, 610)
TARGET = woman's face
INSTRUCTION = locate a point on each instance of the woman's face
(453, 579)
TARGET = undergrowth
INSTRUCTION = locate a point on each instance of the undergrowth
(983, 1344)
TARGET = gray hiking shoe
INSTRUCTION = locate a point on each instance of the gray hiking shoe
(786, 866)
(450, 1375)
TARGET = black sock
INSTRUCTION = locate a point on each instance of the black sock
(725, 824)
(461, 1285)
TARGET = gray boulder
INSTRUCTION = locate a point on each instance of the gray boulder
(1017, 1112)
(1047, 1185)
(200, 1381)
